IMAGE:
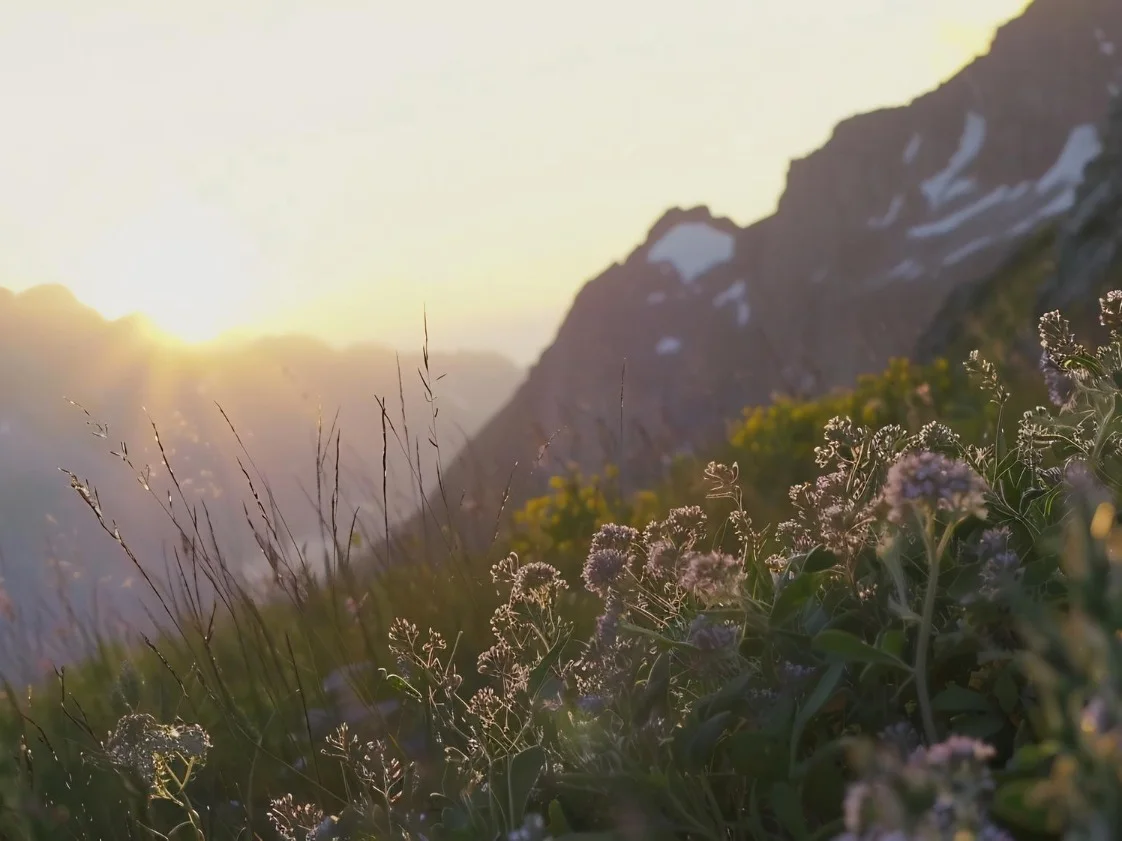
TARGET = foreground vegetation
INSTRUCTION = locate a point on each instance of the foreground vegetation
(925, 646)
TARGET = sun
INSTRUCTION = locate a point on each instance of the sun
(184, 265)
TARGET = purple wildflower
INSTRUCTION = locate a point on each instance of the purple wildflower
(603, 569)
(711, 576)
(931, 481)
(710, 636)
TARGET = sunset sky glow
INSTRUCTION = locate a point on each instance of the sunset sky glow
(333, 167)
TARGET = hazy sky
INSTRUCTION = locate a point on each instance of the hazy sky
(333, 166)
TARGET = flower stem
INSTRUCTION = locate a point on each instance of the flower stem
(934, 556)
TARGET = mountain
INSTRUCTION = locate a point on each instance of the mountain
(272, 390)
(1068, 265)
(873, 231)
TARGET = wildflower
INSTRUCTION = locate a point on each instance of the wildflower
(984, 373)
(686, 525)
(295, 821)
(711, 576)
(793, 672)
(709, 636)
(1083, 484)
(607, 625)
(613, 536)
(487, 706)
(936, 793)
(777, 564)
(902, 736)
(938, 437)
(603, 569)
(662, 559)
(955, 751)
(932, 482)
(537, 582)
(1057, 339)
(840, 434)
(143, 745)
(504, 571)
(403, 637)
(723, 480)
(1061, 384)
(1110, 312)
(1001, 565)
(888, 440)
(1033, 439)
(498, 660)
(833, 510)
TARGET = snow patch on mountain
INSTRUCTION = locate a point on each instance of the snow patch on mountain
(938, 187)
(912, 148)
(890, 216)
(1083, 145)
(971, 248)
(906, 270)
(693, 248)
(735, 294)
(1106, 46)
(949, 224)
(667, 345)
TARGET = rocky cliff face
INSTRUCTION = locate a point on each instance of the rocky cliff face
(873, 231)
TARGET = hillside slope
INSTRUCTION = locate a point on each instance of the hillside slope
(874, 230)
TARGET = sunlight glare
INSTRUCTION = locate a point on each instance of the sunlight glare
(184, 266)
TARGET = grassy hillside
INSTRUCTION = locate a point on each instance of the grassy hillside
(734, 653)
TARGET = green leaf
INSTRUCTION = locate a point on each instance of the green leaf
(540, 673)
(980, 725)
(655, 636)
(853, 650)
(525, 769)
(822, 693)
(959, 699)
(725, 697)
(757, 754)
(819, 560)
(792, 598)
(655, 689)
(1033, 758)
(558, 823)
(703, 740)
(400, 684)
(1014, 804)
(788, 808)
(1005, 690)
(892, 641)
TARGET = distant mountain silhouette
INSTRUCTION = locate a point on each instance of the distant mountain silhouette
(272, 389)
(874, 230)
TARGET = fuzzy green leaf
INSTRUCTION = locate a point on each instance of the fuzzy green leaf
(793, 597)
(959, 699)
(853, 650)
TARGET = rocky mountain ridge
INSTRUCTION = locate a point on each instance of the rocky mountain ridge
(899, 208)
